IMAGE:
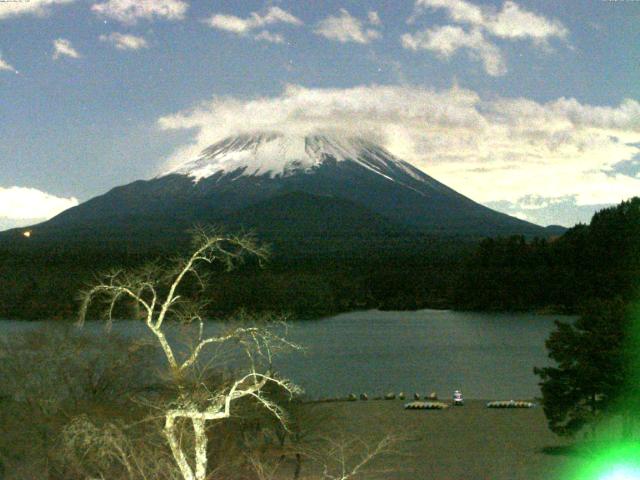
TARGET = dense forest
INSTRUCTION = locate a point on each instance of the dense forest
(596, 261)
(599, 260)
(43, 283)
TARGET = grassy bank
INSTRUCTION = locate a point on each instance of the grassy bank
(463, 443)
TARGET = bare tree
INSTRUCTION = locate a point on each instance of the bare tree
(349, 458)
(155, 292)
(53, 373)
(338, 457)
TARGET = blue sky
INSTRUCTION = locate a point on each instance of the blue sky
(530, 107)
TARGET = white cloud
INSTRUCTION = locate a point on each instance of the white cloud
(124, 41)
(548, 211)
(458, 10)
(30, 205)
(266, 36)
(63, 48)
(31, 7)
(4, 65)
(498, 149)
(130, 11)
(374, 18)
(243, 26)
(511, 22)
(345, 28)
(445, 41)
(536, 202)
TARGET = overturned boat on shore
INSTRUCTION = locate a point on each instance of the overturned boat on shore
(425, 406)
(510, 404)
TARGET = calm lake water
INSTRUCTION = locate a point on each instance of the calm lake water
(487, 356)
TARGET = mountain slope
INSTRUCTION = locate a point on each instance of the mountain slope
(230, 176)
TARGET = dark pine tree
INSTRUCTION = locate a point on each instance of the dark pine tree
(594, 372)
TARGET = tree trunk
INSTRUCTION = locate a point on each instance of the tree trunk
(201, 447)
(176, 449)
(593, 416)
(627, 425)
(296, 474)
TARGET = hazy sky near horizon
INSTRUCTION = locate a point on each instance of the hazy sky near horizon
(528, 106)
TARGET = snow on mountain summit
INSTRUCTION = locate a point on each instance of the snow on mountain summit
(288, 183)
(280, 155)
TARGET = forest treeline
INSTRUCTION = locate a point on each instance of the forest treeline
(589, 262)
(596, 261)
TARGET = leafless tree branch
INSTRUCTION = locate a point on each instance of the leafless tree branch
(156, 292)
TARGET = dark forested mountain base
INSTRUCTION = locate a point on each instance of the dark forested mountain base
(412, 274)
(384, 266)
(596, 261)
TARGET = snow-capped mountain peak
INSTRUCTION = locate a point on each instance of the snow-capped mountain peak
(280, 155)
(287, 185)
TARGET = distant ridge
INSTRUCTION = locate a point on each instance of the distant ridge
(281, 185)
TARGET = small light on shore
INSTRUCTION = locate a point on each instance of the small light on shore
(27, 233)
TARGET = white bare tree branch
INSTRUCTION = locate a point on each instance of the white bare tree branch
(146, 287)
(349, 458)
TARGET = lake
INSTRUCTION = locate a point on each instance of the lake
(487, 356)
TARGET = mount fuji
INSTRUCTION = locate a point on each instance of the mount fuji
(319, 186)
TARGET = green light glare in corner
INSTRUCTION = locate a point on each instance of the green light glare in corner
(614, 462)
(622, 473)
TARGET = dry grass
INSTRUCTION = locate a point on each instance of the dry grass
(470, 442)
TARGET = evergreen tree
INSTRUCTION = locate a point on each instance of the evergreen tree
(593, 367)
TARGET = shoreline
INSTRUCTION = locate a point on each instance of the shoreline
(409, 398)
(541, 311)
